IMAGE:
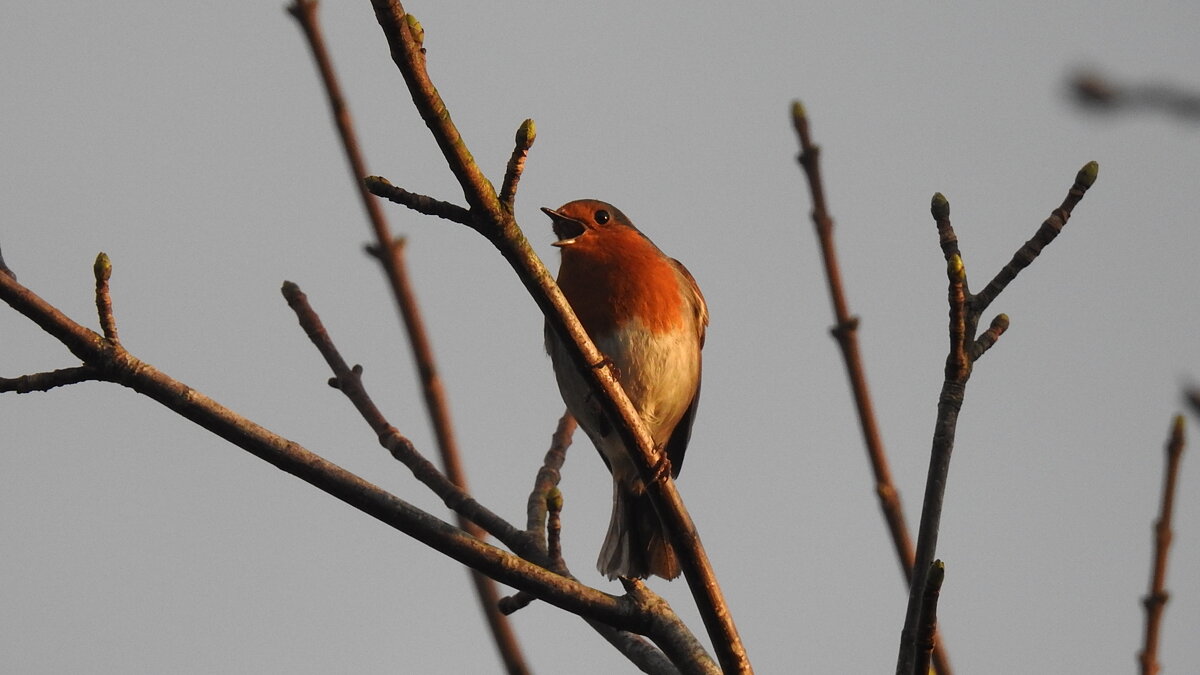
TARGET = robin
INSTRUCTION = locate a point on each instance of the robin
(645, 313)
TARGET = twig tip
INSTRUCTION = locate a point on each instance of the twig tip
(102, 267)
(939, 206)
(1087, 175)
(526, 134)
(799, 114)
(290, 290)
(372, 182)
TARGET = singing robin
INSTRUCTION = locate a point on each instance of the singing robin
(645, 313)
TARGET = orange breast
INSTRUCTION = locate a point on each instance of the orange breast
(618, 277)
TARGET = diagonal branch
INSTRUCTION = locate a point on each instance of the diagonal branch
(1045, 234)
(349, 381)
(661, 623)
(1156, 600)
(116, 364)
(498, 226)
(408, 53)
(845, 332)
(392, 260)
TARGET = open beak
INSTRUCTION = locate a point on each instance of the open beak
(567, 229)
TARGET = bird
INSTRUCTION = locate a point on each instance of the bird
(646, 315)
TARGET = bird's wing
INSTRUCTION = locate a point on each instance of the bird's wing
(677, 444)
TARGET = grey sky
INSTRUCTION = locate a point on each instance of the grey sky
(191, 142)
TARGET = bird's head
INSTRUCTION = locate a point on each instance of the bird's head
(584, 223)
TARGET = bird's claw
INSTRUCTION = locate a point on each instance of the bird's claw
(606, 362)
(662, 465)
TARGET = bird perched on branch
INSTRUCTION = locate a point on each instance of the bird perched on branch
(645, 313)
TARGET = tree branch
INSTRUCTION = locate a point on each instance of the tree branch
(965, 310)
(47, 381)
(516, 164)
(497, 225)
(660, 622)
(845, 332)
(391, 258)
(116, 364)
(1156, 600)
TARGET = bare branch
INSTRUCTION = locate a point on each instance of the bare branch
(497, 225)
(1045, 234)
(103, 272)
(1156, 600)
(391, 257)
(516, 164)
(965, 349)
(845, 332)
(988, 339)
(349, 382)
(665, 629)
(1094, 91)
(116, 364)
(548, 476)
(408, 53)
(381, 187)
(47, 381)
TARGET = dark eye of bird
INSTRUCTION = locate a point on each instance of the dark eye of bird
(601, 217)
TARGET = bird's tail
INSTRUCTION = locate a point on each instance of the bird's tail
(637, 544)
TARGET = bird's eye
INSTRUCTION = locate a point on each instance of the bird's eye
(601, 217)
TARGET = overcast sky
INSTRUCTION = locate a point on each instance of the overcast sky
(191, 142)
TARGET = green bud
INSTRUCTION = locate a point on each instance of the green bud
(526, 134)
(1087, 175)
(414, 27)
(103, 267)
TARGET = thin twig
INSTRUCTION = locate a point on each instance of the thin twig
(489, 217)
(1045, 234)
(985, 341)
(392, 259)
(1096, 92)
(965, 348)
(549, 475)
(845, 332)
(1156, 600)
(349, 381)
(102, 270)
(49, 380)
(664, 628)
(516, 164)
(537, 506)
(118, 365)
(381, 187)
